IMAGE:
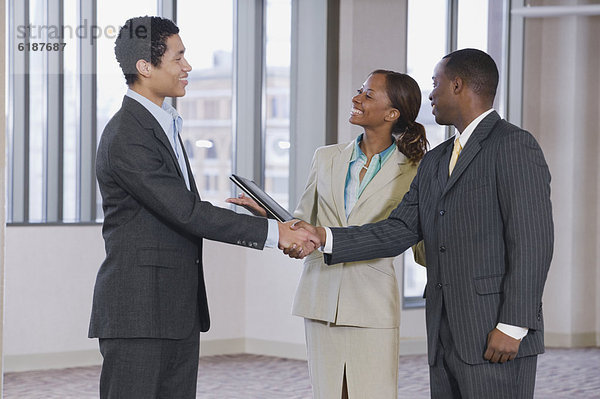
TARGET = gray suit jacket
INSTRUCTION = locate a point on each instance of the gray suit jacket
(488, 236)
(151, 282)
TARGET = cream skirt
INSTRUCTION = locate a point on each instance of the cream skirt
(369, 355)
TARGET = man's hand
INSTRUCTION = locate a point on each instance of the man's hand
(249, 204)
(501, 347)
(317, 231)
(302, 242)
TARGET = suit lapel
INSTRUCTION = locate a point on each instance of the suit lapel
(191, 179)
(471, 149)
(389, 171)
(444, 162)
(147, 120)
(339, 170)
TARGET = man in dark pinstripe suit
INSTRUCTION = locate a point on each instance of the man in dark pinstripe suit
(485, 216)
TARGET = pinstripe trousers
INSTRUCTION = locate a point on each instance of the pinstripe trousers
(451, 377)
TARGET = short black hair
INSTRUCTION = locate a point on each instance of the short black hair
(476, 68)
(142, 38)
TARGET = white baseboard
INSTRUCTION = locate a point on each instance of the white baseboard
(413, 346)
(408, 346)
(222, 346)
(579, 340)
(273, 348)
(47, 361)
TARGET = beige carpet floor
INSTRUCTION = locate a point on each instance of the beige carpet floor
(562, 374)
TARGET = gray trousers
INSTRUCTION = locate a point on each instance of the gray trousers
(450, 377)
(150, 368)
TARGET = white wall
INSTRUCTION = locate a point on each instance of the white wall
(49, 274)
(561, 108)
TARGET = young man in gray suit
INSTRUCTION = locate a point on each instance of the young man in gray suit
(150, 300)
(481, 203)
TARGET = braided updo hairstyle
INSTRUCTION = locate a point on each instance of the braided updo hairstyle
(405, 95)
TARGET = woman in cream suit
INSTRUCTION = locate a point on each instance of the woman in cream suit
(352, 310)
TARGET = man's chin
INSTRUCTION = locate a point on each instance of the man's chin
(441, 121)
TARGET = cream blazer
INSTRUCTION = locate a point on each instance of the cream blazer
(363, 294)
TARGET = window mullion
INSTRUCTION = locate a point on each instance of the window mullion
(19, 120)
(248, 82)
(514, 95)
(55, 128)
(168, 9)
(87, 127)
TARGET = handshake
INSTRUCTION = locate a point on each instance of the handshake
(297, 238)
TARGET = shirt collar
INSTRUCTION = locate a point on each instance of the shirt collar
(357, 152)
(464, 136)
(164, 115)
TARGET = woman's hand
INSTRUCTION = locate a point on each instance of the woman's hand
(249, 204)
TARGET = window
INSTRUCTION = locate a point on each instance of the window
(53, 122)
(206, 107)
(442, 26)
(60, 101)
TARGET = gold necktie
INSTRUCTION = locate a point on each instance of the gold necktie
(455, 153)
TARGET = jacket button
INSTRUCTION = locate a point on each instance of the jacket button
(442, 212)
(197, 261)
(442, 249)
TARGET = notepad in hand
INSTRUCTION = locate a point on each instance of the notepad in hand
(263, 199)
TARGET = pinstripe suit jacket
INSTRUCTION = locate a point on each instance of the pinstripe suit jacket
(151, 282)
(488, 236)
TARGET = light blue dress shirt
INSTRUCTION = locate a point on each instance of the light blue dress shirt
(354, 186)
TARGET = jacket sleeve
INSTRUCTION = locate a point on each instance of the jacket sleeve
(523, 182)
(139, 165)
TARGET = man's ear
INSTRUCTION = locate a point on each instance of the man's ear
(457, 85)
(144, 68)
(392, 115)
